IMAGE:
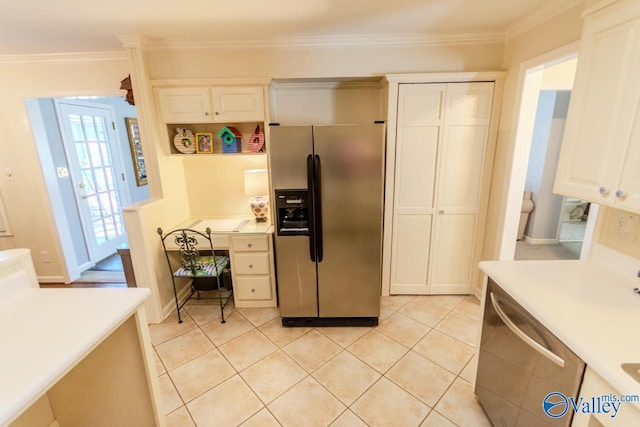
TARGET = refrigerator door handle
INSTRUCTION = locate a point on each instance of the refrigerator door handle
(310, 189)
(317, 205)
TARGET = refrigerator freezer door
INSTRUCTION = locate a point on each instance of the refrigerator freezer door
(296, 272)
(351, 188)
(288, 151)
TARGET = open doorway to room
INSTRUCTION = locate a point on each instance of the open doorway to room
(88, 154)
(550, 226)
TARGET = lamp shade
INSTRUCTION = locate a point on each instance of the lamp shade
(256, 182)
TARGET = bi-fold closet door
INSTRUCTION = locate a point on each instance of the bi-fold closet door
(441, 145)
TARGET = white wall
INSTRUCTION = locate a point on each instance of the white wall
(317, 62)
(543, 162)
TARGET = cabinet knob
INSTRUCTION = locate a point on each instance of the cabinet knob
(249, 245)
(206, 113)
(217, 113)
(250, 265)
(603, 190)
(253, 289)
(621, 194)
(441, 211)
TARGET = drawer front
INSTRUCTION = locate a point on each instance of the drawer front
(251, 263)
(250, 243)
(253, 288)
(220, 241)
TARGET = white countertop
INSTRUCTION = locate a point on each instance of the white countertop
(44, 333)
(591, 309)
(226, 225)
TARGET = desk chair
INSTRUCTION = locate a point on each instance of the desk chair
(192, 265)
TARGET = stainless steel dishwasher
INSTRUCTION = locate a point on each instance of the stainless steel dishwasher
(526, 376)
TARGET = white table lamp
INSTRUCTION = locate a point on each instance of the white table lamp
(256, 184)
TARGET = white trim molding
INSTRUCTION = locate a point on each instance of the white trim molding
(65, 58)
(333, 41)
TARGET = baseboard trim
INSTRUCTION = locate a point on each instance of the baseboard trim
(51, 279)
(533, 241)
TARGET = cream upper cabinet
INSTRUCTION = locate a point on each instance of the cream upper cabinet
(185, 105)
(440, 162)
(225, 104)
(600, 155)
(238, 104)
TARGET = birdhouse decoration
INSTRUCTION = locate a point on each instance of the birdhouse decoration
(231, 139)
(256, 141)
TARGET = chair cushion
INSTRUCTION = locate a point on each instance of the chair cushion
(204, 267)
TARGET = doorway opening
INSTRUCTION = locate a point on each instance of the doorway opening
(544, 225)
(87, 159)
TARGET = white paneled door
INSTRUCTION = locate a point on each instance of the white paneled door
(89, 140)
(441, 144)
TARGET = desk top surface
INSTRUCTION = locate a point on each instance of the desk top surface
(228, 225)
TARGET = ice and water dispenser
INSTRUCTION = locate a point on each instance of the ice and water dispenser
(292, 211)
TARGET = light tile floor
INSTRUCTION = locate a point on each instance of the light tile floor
(414, 369)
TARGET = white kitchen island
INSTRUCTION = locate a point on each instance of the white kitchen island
(75, 357)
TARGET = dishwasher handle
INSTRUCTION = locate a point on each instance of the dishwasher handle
(524, 337)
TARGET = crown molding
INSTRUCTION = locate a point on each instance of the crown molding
(388, 40)
(61, 58)
(533, 20)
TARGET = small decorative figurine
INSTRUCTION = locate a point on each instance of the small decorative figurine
(256, 141)
(231, 139)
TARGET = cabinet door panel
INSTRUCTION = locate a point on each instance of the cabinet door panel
(238, 104)
(420, 102)
(416, 160)
(601, 112)
(452, 253)
(469, 103)
(629, 183)
(461, 164)
(412, 239)
(184, 105)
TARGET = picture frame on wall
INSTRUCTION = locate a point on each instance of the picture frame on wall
(204, 143)
(136, 151)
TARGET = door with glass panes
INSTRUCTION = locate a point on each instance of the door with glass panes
(95, 166)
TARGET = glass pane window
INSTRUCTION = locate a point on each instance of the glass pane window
(99, 232)
(94, 207)
(111, 182)
(106, 158)
(101, 184)
(76, 127)
(87, 178)
(105, 204)
(83, 156)
(89, 128)
(110, 228)
(114, 201)
(94, 154)
(100, 128)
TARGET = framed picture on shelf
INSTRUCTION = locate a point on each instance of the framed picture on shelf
(204, 143)
(136, 151)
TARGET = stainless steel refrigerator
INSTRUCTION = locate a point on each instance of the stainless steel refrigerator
(328, 185)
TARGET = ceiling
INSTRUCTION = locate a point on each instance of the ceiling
(38, 26)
